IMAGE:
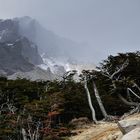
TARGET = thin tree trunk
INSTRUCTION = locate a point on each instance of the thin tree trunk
(99, 101)
(90, 102)
(129, 89)
(23, 134)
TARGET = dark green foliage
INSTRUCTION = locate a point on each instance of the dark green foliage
(122, 80)
(111, 102)
(39, 102)
(75, 101)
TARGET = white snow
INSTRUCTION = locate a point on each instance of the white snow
(50, 63)
(2, 33)
(54, 63)
(43, 66)
(10, 44)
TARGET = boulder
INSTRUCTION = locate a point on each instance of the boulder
(128, 125)
(132, 135)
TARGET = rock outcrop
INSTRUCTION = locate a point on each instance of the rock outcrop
(29, 51)
(128, 125)
(17, 53)
(11, 59)
(132, 135)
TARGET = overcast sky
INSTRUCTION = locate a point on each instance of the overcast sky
(108, 26)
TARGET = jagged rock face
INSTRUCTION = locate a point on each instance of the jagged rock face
(8, 30)
(29, 51)
(46, 40)
(129, 124)
(9, 33)
(17, 53)
(25, 34)
(11, 59)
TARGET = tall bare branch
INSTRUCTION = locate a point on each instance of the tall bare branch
(129, 89)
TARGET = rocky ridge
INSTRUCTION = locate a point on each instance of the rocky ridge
(17, 53)
(23, 40)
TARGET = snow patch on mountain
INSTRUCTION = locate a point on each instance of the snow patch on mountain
(56, 67)
(59, 67)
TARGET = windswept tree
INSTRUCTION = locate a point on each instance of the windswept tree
(123, 72)
(92, 77)
(98, 98)
(86, 77)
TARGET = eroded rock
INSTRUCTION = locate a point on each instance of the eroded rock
(132, 135)
(128, 125)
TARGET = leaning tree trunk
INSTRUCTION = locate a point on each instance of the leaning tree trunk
(99, 101)
(90, 102)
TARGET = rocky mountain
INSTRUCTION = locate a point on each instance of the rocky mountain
(47, 41)
(19, 55)
(11, 59)
(22, 42)
(9, 33)
(56, 67)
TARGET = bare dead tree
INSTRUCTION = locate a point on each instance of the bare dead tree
(8, 106)
(89, 75)
(100, 101)
(31, 132)
(129, 89)
(89, 100)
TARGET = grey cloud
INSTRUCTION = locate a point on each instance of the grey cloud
(109, 26)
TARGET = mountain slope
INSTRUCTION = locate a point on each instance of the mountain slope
(34, 75)
(11, 59)
(22, 42)
(47, 41)
(17, 53)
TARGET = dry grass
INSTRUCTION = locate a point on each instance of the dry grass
(101, 131)
(98, 132)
